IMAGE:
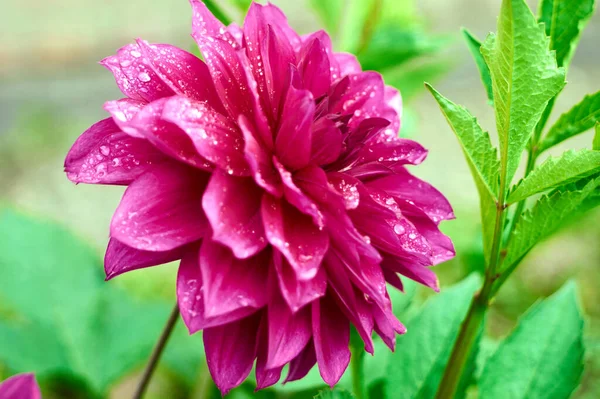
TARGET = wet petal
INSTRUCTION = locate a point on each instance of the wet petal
(121, 258)
(215, 136)
(296, 292)
(348, 64)
(205, 25)
(419, 273)
(233, 207)
(331, 332)
(123, 111)
(277, 18)
(391, 150)
(295, 235)
(326, 144)
(231, 283)
(161, 210)
(103, 154)
(314, 67)
(21, 386)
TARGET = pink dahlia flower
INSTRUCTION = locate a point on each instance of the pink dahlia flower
(274, 172)
(21, 386)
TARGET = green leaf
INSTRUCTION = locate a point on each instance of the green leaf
(580, 118)
(545, 218)
(524, 78)
(596, 142)
(330, 12)
(416, 368)
(334, 394)
(475, 49)
(242, 5)
(60, 317)
(543, 356)
(482, 159)
(569, 167)
(564, 20)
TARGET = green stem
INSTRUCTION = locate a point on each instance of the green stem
(158, 349)
(356, 365)
(217, 11)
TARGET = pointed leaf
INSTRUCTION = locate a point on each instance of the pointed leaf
(415, 369)
(555, 172)
(580, 118)
(484, 71)
(596, 142)
(524, 78)
(543, 356)
(564, 20)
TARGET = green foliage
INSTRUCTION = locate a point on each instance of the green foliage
(564, 20)
(580, 118)
(415, 369)
(543, 356)
(525, 78)
(242, 5)
(62, 319)
(554, 172)
(475, 49)
(545, 218)
(330, 13)
(334, 394)
(596, 142)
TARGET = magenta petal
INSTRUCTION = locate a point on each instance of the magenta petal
(190, 297)
(231, 283)
(166, 136)
(348, 64)
(161, 210)
(387, 325)
(393, 279)
(104, 154)
(314, 67)
(295, 235)
(21, 386)
(134, 76)
(389, 149)
(265, 377)
(215, 136)
(302, 363)
(293, 141)
(183, 72)
(277, 18)
(233, 207)
(296, 292)
(331, 332)
(230, 351)
(123, 111)
(120, 258)
(205, 25)
(419, 273)
(327, 141)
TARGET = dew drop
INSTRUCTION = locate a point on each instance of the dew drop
(144, 77)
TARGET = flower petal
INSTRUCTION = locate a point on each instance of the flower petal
(348, 64)
(295, 235)
(190, 297)
(120, 258)
(215, 136)
(265, 377)
(233, 208)
(326, 144)
(134, 76)
(123, 111)
(230, 283)
(230, 351)
(161, 209)
(294, 137)
(278, 19)
(419, 273)
(103, 154)
(302, 363)
(20, 386)
(296, 292)
(206, 25)
(314, 67)
(331, 333)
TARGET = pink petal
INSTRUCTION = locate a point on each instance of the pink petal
(295, 235)
(293, 140)
(21, 386)
(296, 292)
(120, 258)
(123, 111)
(233, 207)
(348, 63)
(394, 100)
(314, 67)
(190, 298)
(416, 272)
(326, 45)
(161, 210)
(134, 76)
(302, 363)
(387, 325)
(326, 145)
(393, 279)
(215, 136)
(391, 150)
(260, 160)
(277, 18)
(104, 154)
(205, 25)
(166, 136)
(230, 351)
(183, 72)
(229, 283)
(331, 332)
(265, 377)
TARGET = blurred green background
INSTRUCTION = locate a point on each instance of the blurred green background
(52, 88)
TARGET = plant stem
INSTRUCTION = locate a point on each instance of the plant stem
(158, 349)
(217, 11)
(356, 366)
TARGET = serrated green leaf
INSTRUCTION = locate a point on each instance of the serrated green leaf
(580, 118)
(564, 20)
(416, 368)
(543, 219)
(596, 142)
(569, 167)
(524, 78)
(330, 12)
(543, 357)
(334, 394)
(475, 49)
